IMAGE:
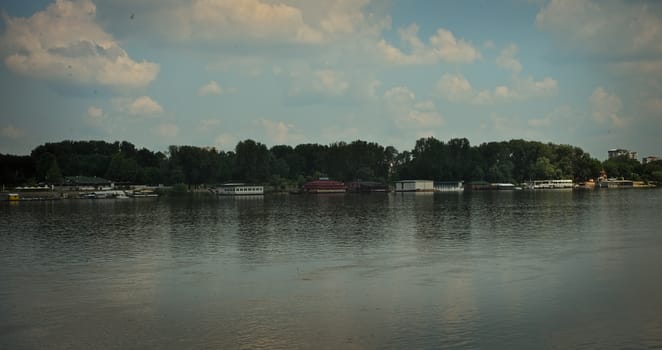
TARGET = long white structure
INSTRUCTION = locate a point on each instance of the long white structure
(550, 184)
(414, 186)
(239, 189)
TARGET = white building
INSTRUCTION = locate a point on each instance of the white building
(239, 189)
(618, 152)
(649, 159)
(550, 184)
(414, 186)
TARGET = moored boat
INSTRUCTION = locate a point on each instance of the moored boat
(239, 189)
(143, 193)
(563, 184)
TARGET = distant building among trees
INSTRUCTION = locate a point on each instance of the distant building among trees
(619, 152)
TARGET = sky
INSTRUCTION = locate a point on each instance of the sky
(214, 72)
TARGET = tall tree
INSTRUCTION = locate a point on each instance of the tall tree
(252, 161)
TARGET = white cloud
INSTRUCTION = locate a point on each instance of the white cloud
(279, 132)
(166, 130)
(400, 95)
(64, 43)
(622, 40)
(558, 116)
(208, 124)
(226, 141)
(213, 88)
(245, 22)
(342, 17)
(250, 65)
(614, 28)
(456, 88)
(408, 113)
(210, 20)
(95, 115)
(442, 46)
(330, 82)
(321, 82)
(143, 106)
(606, 107)
(527, 87)
(521, 89)
(507, 59)
(335, 133)
(654, 105)
(12, 132)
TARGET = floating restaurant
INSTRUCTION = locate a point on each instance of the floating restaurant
(550, 185)
(324, 185)
(239, 189)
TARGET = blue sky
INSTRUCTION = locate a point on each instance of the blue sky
(214, 72)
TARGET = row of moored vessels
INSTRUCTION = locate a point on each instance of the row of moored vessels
(120, 194)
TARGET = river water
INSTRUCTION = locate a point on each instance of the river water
(518, 269)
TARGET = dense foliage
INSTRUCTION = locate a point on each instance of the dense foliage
(514, 161)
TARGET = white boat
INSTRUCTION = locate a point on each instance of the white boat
(504, 186)
(550, 185)
(118, 194)
(143, 193)
(239, 189)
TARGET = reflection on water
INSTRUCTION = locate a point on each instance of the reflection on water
(471, 270)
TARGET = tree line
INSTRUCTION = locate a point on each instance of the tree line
(513, 161)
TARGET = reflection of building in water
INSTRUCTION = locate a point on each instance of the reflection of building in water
(448, 186)
(254, 226)
(477, 186)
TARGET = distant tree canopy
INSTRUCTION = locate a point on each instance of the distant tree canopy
(506, 161)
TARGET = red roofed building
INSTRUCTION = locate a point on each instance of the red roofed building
(324, 186)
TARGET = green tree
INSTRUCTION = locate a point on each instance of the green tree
(252, 161)
(54, 175)
(543, 169)
(16, 170)
(624, 167)
(122, 168)
(48, 169)
(313, 158)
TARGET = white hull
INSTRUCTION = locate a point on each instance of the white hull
(239, 190)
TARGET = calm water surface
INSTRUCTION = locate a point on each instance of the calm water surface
(483, 270)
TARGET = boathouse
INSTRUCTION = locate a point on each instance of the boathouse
(366, 186)
(324, 185)
(414, 186)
